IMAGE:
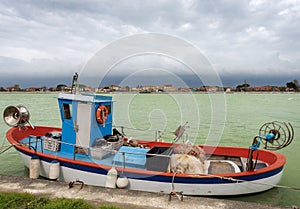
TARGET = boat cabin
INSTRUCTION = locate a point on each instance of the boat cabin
(85, 118)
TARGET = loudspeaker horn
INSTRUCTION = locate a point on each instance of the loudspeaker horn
(16, 116)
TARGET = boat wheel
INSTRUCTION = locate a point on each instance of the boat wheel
(276, 135)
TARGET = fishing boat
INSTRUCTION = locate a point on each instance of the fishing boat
(89, 149)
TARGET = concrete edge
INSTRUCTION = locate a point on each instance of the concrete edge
(119, 197)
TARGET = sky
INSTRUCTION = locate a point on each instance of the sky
(43, 42)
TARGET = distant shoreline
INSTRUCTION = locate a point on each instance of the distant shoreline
(175, 92)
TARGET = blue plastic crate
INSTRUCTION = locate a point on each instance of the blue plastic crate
(133, 157)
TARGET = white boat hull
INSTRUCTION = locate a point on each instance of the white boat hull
(69, 174)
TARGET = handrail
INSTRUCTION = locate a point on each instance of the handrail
(158, 133)
(40, 139)
(140, 129)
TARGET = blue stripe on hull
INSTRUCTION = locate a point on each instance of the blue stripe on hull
(188, 180)
(161, 178)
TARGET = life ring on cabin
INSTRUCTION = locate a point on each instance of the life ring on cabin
(101, 114)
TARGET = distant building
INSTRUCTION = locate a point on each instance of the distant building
(202, 88)
(169, 88)
(186, 89)
(228, 90)
(12, 88)
(212, 88)
(114, 87)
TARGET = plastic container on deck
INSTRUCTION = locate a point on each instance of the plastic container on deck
(161, 161)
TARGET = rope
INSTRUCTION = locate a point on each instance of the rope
(4, 149)
(173, 178)
(259, 183)
(173, 192)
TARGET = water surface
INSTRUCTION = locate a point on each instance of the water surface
(245, 114)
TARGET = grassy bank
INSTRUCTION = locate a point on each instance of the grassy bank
(29, 201)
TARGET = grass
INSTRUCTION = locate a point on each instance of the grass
(29, 201)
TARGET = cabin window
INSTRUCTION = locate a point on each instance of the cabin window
(67, 111)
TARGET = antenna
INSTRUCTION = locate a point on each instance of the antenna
(74, 83)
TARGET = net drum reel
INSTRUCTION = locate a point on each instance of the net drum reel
(274, 136)
(16, 116)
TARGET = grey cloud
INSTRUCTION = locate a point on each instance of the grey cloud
(234, 35)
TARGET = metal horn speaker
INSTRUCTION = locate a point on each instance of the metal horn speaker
(16, 115)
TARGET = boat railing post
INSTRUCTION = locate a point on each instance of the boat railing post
(41, 142)
(158, 137)
(29, 141)
(30, 138)
(74, 152)
(186, 138)
(36, 143)
(122, 130)
(123, 166)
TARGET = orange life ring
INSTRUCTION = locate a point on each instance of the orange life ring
(101, 114)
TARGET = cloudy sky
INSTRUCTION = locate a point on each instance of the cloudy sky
(257, 40)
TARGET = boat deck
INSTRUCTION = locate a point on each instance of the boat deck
(131, 157)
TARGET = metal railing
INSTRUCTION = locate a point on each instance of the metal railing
(37, 143)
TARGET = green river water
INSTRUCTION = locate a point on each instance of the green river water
(237, 119)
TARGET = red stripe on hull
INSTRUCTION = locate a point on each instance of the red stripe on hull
(275, 160)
